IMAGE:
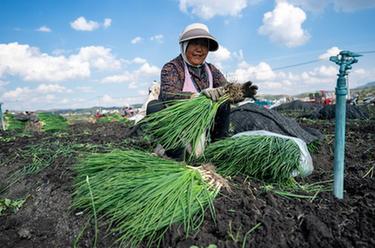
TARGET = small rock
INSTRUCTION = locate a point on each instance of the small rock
(24, 233)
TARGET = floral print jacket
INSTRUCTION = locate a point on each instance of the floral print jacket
(173, 78)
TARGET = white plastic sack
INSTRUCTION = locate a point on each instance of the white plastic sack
(153, 95)
(305, 159)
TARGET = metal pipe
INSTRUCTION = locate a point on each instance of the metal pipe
(341, 91)
(344, 60)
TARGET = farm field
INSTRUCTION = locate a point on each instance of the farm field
(252, 214)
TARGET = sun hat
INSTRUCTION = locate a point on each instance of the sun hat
(196, 31)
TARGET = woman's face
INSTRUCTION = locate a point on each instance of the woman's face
(197, 51)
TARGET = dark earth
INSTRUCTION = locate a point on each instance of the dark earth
(248, 216)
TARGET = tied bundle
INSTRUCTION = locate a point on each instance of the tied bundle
(184, 122)
(12, 124)
(141, 195)
(188, 122)
(112, 118)
(264, 157)
(52, 122)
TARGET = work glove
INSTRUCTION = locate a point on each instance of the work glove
(213, 93)
(249, 89)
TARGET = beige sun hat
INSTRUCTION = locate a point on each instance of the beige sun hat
(196, 31)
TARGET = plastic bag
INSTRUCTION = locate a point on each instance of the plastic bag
(305, 159)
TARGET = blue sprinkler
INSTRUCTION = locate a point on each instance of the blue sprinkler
(344, 59)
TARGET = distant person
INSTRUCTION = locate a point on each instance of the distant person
(189, 74)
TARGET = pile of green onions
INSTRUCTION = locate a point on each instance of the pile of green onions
(183, 122)
(12, 124)
(141, 195)
(112, 118)
(52, 122)
(263, 157)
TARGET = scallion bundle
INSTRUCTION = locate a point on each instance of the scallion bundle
(12, 124)
(264, 157)
(112, 118)
(52, 122)
(141, 195)
(183, 122)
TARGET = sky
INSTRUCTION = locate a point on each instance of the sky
(84, 53)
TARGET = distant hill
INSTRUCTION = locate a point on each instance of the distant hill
(368, 85)
(90, 111)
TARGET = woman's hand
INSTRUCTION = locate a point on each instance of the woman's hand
(249, 89)
(214, 93)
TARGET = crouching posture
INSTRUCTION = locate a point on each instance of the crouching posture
(189, 74)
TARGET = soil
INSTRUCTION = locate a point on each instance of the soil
(46, 220)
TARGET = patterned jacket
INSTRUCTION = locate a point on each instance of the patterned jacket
(173, 78)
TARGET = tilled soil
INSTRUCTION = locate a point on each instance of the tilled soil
(248, 216)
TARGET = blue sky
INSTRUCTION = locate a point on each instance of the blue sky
(70, 54)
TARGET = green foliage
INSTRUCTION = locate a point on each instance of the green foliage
(38, 157)
(12, 205)
(263, 157)
(141, 195)
(52, 122)
(113, 118)
(314, 146)
(12, 124)
(292, 189)
(183, 122)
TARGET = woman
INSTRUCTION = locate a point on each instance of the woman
(188, 75)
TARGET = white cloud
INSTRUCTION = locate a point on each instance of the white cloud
(44, 29)
(16, 94)
(125, 77)
(31, 64)
(148, 70)
(136, 40)
(38, 94)
(210, 8)
(323, 77)
(222, 54)
(85, 89)
(81, 24)
(144, 72)
(51, 88)
(238, 55)
(99, 57)
(3, 83)
(138, 60)
(284, 25)
(246, 72)
(158, 38)
(133, 85)
(351, 6)
(143, 92)
(219, 56)
(108, 100)
(333, 51)
(107, 22)
(339, 5)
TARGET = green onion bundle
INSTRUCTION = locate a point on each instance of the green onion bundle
(141, 195)
(52, 122)
(183, 122)
(112, 118)
(12, 124)
(264, 157)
